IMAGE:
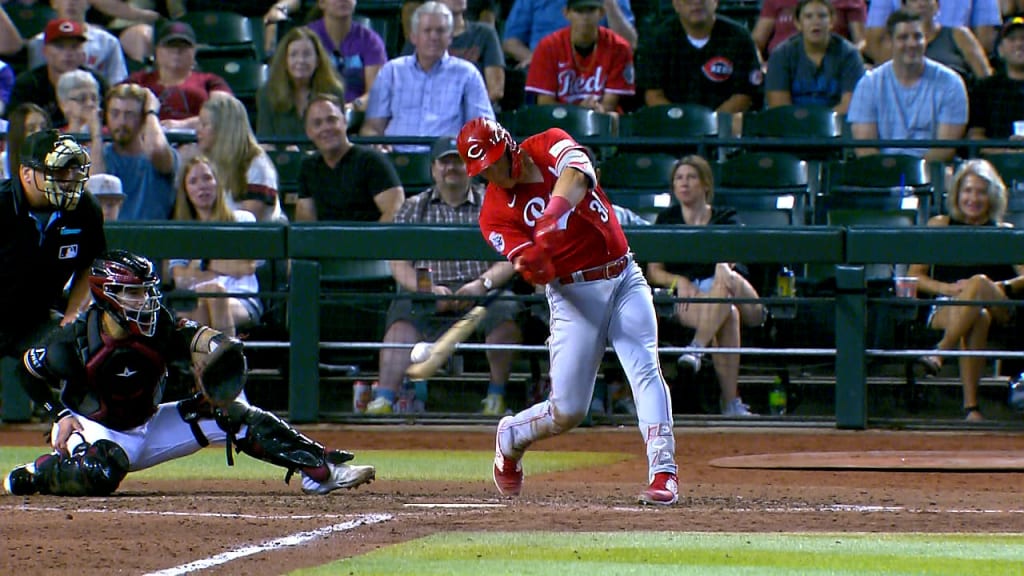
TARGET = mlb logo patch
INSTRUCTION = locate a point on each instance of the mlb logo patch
(68, 252)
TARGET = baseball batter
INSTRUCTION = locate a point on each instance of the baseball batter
(544, 211)
(102, 377)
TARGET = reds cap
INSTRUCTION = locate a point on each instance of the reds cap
(104, 185)
(172, 30)
(584, 4)
(1011, 24)
(443, 146)
(63, 29)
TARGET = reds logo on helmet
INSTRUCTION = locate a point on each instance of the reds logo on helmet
(718, 69)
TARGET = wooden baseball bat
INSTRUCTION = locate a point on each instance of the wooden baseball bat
(445, 344)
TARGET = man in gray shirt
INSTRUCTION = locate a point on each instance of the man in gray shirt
(910, 97)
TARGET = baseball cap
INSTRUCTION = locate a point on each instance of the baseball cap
(584, 4)
(62, 29)
(443, 146)
(172, 30)
(40, 144)
(104, 185)
(1011, 23)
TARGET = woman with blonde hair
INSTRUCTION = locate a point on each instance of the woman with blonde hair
(977, 198)
(715, 323)
(300, 68)
(246, 171)
(201, 198)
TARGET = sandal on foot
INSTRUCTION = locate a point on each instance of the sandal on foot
(932, 364)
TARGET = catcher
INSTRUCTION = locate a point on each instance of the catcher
(110, 365)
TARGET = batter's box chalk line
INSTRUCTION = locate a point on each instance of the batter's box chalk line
(289, 541)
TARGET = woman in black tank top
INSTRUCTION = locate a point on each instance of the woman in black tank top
(977, 198)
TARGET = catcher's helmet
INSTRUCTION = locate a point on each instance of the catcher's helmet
(64, 163)
(483, 141)
(125, 285)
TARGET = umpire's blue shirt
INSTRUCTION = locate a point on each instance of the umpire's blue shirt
(39, 253)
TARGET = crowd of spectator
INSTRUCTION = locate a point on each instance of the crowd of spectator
(171, 141)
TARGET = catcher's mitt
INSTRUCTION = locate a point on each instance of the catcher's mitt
(222, 377)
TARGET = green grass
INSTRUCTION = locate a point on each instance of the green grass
(591, 553)
(453, 465)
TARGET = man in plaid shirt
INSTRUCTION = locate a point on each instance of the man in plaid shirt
(453, 199)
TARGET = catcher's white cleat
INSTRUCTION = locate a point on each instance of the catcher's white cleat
(342, 476)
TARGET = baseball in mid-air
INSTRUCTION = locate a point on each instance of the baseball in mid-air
(420, 352)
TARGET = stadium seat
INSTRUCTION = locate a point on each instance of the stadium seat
(766, 188)
(881, 182)
(578, 122)
(223, 34)
(354, 120)
(245, 76)
(795, 122)
(413, 171)
(640, 182)
(29, 19)
(1011, 168)
(289, 165)
(673, 121)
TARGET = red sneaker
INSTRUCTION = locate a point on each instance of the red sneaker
(508, 473)
(663, 491)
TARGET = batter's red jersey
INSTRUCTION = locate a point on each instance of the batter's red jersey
(558, 70)
(591, 236)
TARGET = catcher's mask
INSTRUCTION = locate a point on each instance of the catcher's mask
(64, 165)
(483, 141)
(126, 286)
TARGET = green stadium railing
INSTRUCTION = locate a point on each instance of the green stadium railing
(309, 244)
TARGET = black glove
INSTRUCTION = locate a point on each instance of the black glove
(223, 376)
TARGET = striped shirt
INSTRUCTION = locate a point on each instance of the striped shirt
(427, 207)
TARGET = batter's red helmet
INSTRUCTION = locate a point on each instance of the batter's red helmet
(483, 141)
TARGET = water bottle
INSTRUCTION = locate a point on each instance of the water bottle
(777, 398)
(360, 396)
(785, 287)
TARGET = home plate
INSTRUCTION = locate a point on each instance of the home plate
(914, 460)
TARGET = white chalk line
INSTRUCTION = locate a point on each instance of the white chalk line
(290, 540)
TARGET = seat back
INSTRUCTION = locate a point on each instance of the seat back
(244, 75)
(766, 188)
(640, 182)
(671, 120)
(29, 19)
(413, 171)
(796, 122)
(1011, 169)
(578, 122)
(882, 182)
(225, 34)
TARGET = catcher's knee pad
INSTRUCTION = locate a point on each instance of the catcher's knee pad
(92, 470)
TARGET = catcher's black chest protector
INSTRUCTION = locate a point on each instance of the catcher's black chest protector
(124, 378)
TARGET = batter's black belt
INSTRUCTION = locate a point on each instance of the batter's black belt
(602, 272)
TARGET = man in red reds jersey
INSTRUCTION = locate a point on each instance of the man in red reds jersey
(544, 211)
(584, 63)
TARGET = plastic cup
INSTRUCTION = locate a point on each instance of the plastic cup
(906, 286)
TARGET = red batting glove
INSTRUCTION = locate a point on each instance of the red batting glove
(535, 266)
(547, 224)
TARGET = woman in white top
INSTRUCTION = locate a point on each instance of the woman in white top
(246, 171)
(201, 197)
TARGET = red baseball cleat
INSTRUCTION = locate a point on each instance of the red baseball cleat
(663, 491)
(508, 472)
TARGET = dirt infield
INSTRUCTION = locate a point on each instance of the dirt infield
(151, 526)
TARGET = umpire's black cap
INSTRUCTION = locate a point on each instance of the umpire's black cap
(39, 145)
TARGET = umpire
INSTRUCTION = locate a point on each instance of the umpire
(50, 232)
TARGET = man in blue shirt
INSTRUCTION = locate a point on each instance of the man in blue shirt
(531, 20)
(430, 93)
(139, 153)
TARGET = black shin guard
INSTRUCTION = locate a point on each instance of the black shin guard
(270, 439)
(92, 470)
